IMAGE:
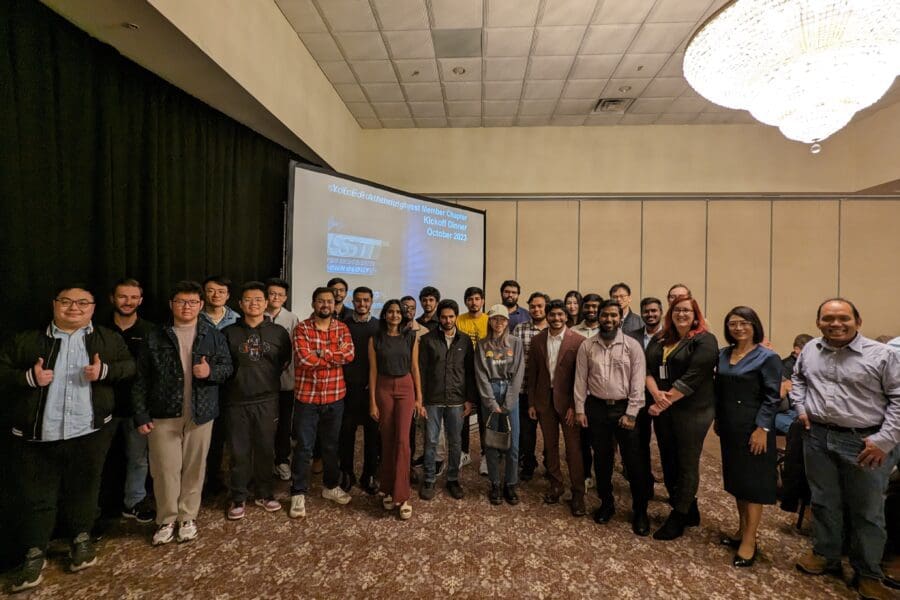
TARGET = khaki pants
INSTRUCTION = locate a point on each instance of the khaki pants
(178, 450)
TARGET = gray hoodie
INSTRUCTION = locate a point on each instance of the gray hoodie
(507, 364)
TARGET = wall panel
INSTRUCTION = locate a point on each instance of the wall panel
(548, 246)
(500, 247)
(674, 247)
(610, 246)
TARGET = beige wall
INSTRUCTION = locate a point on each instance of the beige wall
(781, 257)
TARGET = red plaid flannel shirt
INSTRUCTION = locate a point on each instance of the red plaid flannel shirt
(318, 358)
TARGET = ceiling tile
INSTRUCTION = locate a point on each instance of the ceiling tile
(417, 71)
(349, 15)
(427, 109)
(511, 13)
(543, 90)
(472, 68)
(465, 121)
(660, 37)
(391, 110)
(410, 44)
(361, 110)
(302, 15)
(501, 108)
(550, 67)
(456, 43)
(676, 118)
(362, 46)
(598, 66)
(399, 123)
(567, 12)
(662, 87)
(677, 11)
(640, 65)
(575, 107)
(687, 105)
(568, 120)
(502, 90)
(623, 11)
(673, 66)
(468, 90)
(689, 92)
(374, 71)
(383, 92)
(537, 107)
(649, 105)
(464, 109)
(321, 46)
(499, 121)
(603, 120)
(584, 88)
(533, 121)
(456, 14)
(713, 118)
(431, 122)
(371, 123)
(504, 69)
(557, 41)
(514, 41)
(608, 39)
(744, 117)
(422, 92)
(633, 119)
(625, 88)
(402, 14)
(350, 92)
(714, 108)
(338, 72)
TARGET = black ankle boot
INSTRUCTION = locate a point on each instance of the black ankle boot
(510, 495)
(693, 515)
(494, 494)
(673, 527)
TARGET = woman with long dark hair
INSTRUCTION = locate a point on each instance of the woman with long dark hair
(573, 307)
(680, 366)
(395, 392)
(748, 385)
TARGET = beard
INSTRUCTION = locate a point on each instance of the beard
(607, 334)
(509, 302)
(324, 313)
(126, 311)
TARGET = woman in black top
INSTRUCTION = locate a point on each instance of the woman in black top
(748, 385)
(395, 391)
(680, 363)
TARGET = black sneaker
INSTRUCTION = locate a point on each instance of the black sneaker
(455, 490)
(83, 554)
(427, 491)
(29, 574)
(142, 512)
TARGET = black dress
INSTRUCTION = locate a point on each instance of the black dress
(747, 397)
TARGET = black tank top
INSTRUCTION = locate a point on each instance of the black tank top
(393, 353)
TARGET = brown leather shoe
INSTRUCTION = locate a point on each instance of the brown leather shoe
(577, 506)
(553, 496)
(813, 564)
(872, 589)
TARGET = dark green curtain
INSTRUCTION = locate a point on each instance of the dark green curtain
(108, 171)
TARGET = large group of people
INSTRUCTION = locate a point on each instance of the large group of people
(285, 396)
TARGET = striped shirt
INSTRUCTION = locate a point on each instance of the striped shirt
(319, 356)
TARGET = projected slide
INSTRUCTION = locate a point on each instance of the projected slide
(391, 242)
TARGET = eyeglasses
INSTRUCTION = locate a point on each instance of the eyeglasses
(67, 302)
(191, 303)
(253, 300)
(277, 295)
(739, 324)
(682, 311)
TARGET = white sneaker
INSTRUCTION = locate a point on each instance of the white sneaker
(464, 459)
(336, 494)
(164, 535)
(405, 511)
(187, 531)
(589, 483)
(282, 471)
(482, 468)
(298, 506)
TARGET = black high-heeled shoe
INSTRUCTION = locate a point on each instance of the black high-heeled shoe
(727, 540)
(738, 561)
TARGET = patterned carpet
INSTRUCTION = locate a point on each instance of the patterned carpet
(461, 549)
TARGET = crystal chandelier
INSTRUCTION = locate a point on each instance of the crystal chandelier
(804, 66)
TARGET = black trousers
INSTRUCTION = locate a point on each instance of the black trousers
(216, 455)
(251, 427)
(284, 430)
(527, 436)
(644, 433)
(680, 431)
(586, 455)
(603, 422)
(61, 476)
(356, 414)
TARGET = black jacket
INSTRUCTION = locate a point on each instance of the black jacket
(690, 369)
(448, 374)
(158, 391)
(26, 402)
(258, 356)
(135, 338)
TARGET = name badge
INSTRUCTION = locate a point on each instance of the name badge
(663, 372)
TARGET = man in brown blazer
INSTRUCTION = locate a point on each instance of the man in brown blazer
(550, 373)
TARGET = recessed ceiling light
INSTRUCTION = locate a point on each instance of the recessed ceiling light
(132, 26)
(625, 88)
(459, 70)
(414, 73)
(640, 67)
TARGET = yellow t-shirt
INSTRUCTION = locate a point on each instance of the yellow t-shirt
(474, 327)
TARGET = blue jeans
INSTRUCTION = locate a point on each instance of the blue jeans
(136, 462)
(784, 419)
(452, 419)
(835, 480)
(311, 421)
(512, 455)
